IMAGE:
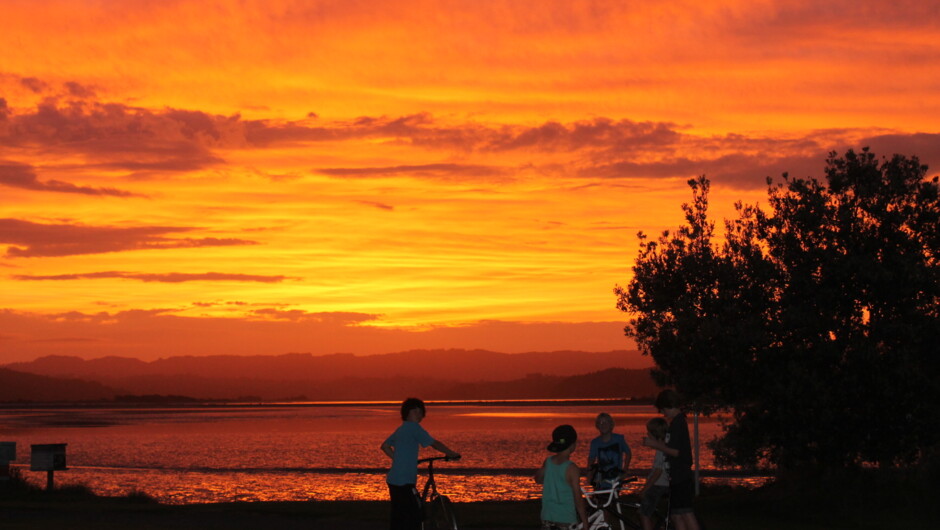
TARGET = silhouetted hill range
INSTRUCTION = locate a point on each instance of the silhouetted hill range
(432, 374)
(18, 386)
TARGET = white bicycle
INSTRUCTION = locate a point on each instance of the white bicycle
(603, 500)
(607, 500)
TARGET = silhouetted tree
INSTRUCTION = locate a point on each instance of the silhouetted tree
(817, 324)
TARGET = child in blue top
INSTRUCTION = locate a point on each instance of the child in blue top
(562, 502)
(609, 452)
(402, 447)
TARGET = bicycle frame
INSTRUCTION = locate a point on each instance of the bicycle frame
(430, 486)
(439, 514)
(605, 501)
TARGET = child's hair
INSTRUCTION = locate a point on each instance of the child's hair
(668, 399)
(657, 428)
(409, 404)
(604, 416)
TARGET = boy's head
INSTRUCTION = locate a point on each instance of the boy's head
(411, 404)
(657, 427)
(563, 437)
(668, 399)
(604, 423)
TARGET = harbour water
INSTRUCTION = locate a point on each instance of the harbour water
(271, 452)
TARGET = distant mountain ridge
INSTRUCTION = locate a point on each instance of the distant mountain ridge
(18, 386)
(457, 365)
(613, 383)
(432, 374)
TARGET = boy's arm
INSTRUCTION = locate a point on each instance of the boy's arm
(439, 445)
(540, 475)
(591, 461)
(660, 445)
(573, 475)
(651, 480)
(388, 450)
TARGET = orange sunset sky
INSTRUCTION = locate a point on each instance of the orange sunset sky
(264, 177)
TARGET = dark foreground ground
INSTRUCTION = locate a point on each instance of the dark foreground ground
(807, 506)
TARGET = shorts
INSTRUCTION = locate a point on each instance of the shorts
(603, 484)
(681, 495)
(651, 499)
(603, 479)
(406, 513)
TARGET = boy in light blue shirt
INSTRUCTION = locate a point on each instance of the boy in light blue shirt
(402, 447)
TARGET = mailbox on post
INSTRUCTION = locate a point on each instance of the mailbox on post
(49, 458)
(7, 455)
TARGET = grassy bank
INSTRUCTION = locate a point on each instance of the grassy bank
(861, 501)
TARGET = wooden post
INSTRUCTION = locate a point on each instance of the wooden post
(695, 430)
(50, 481)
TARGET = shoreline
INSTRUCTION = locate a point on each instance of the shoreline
(775, 508)
(107, 513)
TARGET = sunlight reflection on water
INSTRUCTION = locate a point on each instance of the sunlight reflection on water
(220, 454)
(191, 487)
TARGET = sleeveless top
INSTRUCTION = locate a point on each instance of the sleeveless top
(557, 497)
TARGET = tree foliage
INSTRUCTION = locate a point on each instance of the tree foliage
(815, 323)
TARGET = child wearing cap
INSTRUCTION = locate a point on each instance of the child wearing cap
(562, 502)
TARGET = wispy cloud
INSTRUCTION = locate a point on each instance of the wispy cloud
(423, 171)
(169, 277)
(437, 163)
(29, 240)
(23, 176)
(264, 332)
(139, 140)
(341, 318)
(379, 205)
(117, 136)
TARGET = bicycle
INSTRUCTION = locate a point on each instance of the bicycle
(662, 518)
(438, 510)
(608, 500)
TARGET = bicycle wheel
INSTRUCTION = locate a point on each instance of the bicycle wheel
(440, 515)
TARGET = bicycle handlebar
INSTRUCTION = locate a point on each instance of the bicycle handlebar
(433, 458)
(606, 493)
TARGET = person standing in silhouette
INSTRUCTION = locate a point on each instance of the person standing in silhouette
(402, 447)
(678, 450)
(609, 455)
(657, 483)
(562, 501)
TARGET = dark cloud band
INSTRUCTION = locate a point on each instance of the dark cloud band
(28, 239)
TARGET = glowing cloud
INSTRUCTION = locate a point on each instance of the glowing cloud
(348, 176)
